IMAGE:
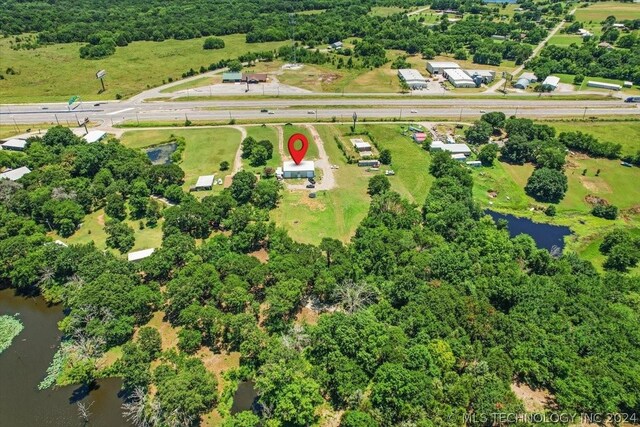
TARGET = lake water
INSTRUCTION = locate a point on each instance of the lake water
(546, 236)
(244, 397)
(23, 365)
(161, 155)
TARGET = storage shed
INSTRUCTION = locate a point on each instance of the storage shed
(14, 144)
(138, 255)
(94, 136)
(205, 182)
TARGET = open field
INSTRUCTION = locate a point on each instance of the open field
(312, 151)
(92, 230)
(386, 10)
(260, 133)
(599, 11)
(568, 78)
(56, 72)
(625, 133)
(204, 151)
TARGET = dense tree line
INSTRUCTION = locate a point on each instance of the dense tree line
(434, 310)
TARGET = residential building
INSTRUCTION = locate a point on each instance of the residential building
(14, 144)
(94, 136)
(306, 169)
(15, 174)
(412, 78)
(231, 77)
(436, 67)
(603, 85)
(550, 83)
(458, 78)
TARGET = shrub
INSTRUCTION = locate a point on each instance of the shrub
(605, 211)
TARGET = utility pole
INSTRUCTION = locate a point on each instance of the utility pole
(400, 113)
(585, 113)
(57, 121)
(516, 113)
(460, 119)
(316, 114)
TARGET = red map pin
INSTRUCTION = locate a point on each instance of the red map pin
(298, 154)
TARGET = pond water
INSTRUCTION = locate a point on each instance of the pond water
(23, 365)
(161, 154)
(546, 236)
(244, 397)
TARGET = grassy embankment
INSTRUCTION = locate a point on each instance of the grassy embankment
(56, 72)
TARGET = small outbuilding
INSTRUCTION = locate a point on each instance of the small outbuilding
(627, 84)
(360, 145)
(94, 136)
(459, 157)
(14, 144)
(486, 76)
(372, 163)
(474, 163)
(306, 169)
(550, 83)
(231, 77)
(335, 45)
(419, 137)
(436, 67)
(15, 174)
(522, 83)
(138, 255)
(205, 182)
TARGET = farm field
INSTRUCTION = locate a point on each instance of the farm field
(599, 11)
(56, 72)
(204, 150)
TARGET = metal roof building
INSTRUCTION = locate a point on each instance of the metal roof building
(14, 144)
(436, 67)
(205, 182)
(452, 148)
(412, 78)
(522, 83)
(551, 82)
(94, 136)
(603, 85)
(458, 78)
(138, 255)
(360, 144)
(487, 76)
(231, 77)
(303, 170)
(15, 174)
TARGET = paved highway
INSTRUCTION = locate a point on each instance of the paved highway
(111, 113)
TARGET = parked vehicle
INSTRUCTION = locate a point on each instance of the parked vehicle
(264, 110)
(633, 99)
(311, 180)
(311, 186)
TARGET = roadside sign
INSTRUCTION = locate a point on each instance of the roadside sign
(100, 74)
(73, 99)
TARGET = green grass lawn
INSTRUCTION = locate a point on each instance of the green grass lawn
(568, 78)
(625, 133)
(56, 72)
(204, 151)
(386, 10)
(260, 133)
(312, 151)
(598, 12)
(201, 81)
(565, 39)
(92, 230)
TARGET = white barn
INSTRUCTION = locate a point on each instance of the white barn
(306, 169)
(15, 174)
(14, 144)
(205, 182)
(451, 148)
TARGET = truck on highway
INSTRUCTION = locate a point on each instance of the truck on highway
(633, 99)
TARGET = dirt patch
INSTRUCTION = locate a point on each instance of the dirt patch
(492, 194)
(596, 185)
(168, 333)
(578, 156)
(307, 316)
(218, 363)
(328, 78)
(533, 400)
(227, 181)
(100, 219)
(595, 200)
(261, 255)
(635, 210)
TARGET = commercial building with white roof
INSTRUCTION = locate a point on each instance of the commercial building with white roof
(304, 170)
(452, 148)
(551, 82)
(15, 174)
(487, 76)
(205, 182)
(94, 136)
(14, 144)
(436, 67)
(458, 78)
(138, 255)
(603, 85)
(412, 78)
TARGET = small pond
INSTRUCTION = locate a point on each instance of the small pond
(546, 236)
(161, 154)
(244, 397)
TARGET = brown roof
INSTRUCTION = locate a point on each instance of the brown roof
(260, 77)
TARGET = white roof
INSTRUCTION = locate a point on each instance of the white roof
(60, 243)
(138, 255)
(529, 76)
(411, 75)
(551, 81)
(482, 73)
(15, 174)
(94, 135)
(603, 85)
(458, 156)
(457, 75)
(453, 148)
(443, 64)
(304, 166)
(15, 143)
(205, 181)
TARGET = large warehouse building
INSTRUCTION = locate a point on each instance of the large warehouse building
(412, 78)
(436, 67)
(303, 170)
(458, 78)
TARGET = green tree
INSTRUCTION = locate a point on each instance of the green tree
(213, 43)
(357, 419)
(242, 186)
(378, 185)
(385, 156)
(224, 165)
(266, 194)
(119, 236)
(259, 156)
(234, 65)
(479, 133)
(189, 340)
(150, 342)
(495, 118)
(547, 185)
(115, 206)
(488, 154)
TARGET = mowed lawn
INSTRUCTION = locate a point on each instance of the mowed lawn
(626, 133)
(335, 213)
(56, 72)
(599, 11)
(204, 150)
(259, 133)
(289, 130)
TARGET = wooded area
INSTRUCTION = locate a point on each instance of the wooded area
(435, 310)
